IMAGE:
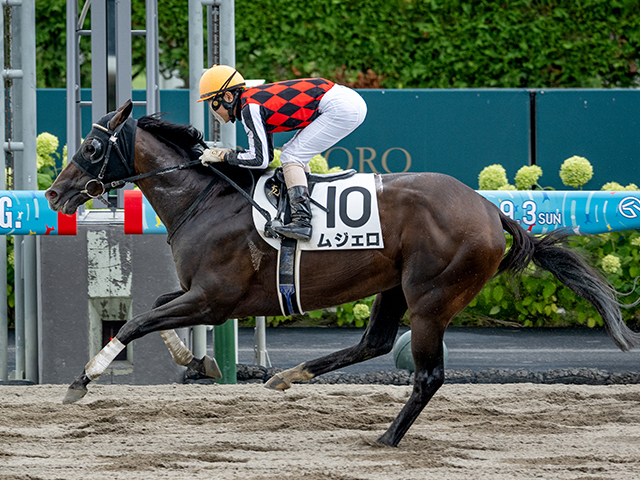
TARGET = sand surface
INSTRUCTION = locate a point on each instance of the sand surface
(319, 432)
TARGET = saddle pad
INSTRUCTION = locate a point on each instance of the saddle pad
(352, 221)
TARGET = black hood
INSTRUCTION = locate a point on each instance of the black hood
(99, 147)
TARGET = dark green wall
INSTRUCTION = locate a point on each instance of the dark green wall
(600, 125)
(457, 132)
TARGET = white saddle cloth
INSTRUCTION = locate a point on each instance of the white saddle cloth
(351, 223)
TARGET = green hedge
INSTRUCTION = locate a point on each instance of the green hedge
(537, 299)
(395, 43)
(442, 43)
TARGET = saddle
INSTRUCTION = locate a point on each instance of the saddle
(275, 189)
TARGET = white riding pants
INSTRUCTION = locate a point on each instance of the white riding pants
(341, 110)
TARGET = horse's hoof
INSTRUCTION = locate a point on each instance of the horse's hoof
(277, 383)
(211, 368)
(386, 441)
(73, 395)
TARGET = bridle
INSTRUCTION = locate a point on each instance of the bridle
(112, 142)
(96, 187)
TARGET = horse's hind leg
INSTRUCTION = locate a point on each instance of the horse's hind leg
(431, 307)
(206, 365)
(386, 313)
(428, 355)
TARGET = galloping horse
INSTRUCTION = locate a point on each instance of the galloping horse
(442, 243)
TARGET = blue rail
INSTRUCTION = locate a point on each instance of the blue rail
(27, 212)
(538, 211)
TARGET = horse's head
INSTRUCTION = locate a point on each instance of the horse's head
(106, 155)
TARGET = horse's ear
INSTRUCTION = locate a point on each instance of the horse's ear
(121, 115)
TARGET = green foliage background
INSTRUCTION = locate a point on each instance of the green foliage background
(443, 43)
(51, 41)
(395, 43)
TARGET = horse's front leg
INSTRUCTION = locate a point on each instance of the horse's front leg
(184, 311)
(206, 365)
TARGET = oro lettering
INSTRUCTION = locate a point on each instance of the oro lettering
(368, 156)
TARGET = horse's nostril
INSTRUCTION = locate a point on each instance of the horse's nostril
(50, 194)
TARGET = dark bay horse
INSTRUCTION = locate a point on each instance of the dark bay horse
(442, 243)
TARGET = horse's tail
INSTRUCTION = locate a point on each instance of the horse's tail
(549, 253)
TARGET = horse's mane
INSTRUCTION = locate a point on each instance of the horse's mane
(184, 137)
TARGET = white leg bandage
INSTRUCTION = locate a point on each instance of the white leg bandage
(294, 175)
(180, 353)
(98, 364)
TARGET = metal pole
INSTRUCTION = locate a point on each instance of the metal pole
(73, 79)
(4, 327)
(199, 346)
(260, 340)
(225, 348)
(30, 309)
(17, 114)
(123, 51)
(153, 57)
(196, 62)
(99, 59)
(29, 182)
(228, 57)
(196, 118)
(213, 58)
(18, 293)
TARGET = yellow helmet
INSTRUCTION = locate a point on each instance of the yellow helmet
(219, 79)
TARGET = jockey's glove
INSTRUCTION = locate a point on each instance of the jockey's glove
(213, 155)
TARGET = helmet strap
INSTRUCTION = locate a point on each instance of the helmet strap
(231, 106)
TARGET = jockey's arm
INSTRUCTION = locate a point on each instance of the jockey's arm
(260, 151)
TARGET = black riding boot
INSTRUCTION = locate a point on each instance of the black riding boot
(300, 226)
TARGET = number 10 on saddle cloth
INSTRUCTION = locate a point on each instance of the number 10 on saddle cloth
(349, 218)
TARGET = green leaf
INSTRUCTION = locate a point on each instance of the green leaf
(498, 293)
(549, 289)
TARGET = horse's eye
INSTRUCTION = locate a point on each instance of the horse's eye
(92, 150)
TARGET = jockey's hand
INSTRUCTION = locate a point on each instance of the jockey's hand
(213, 155)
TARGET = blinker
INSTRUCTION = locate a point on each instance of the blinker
(106, 155)
(93, 150)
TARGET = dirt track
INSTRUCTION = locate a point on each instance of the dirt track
(320, 432)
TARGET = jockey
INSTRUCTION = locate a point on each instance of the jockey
(322, 112)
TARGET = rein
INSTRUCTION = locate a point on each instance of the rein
(268, 228)
(120, 183)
